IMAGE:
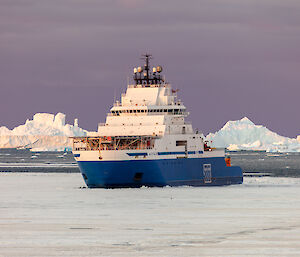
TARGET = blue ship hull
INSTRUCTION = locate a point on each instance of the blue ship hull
(172, 172)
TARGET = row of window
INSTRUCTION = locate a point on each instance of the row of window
(173, 111)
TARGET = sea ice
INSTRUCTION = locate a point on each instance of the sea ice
(52, 214)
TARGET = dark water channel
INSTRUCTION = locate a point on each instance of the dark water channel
(272, 164)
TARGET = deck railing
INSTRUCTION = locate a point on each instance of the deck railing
(113, 143)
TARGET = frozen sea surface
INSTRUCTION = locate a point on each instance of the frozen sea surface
(52, 214)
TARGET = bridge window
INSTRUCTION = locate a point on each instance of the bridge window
(181, 142)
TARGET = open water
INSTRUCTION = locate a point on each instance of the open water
(45, 210)
(252, 163)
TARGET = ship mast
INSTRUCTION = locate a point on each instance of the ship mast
(144, 76)
(146, 57)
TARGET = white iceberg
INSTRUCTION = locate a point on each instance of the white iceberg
(45, 132)
(245, 135)
(49, 132)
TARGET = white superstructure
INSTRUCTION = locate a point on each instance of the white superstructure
(145, 111)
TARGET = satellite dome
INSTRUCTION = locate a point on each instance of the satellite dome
(159, 69)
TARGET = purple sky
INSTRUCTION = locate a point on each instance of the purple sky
(229, 59)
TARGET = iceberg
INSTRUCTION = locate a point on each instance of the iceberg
(245, 135)
(46, 124)
(49, 132)
(45, 132)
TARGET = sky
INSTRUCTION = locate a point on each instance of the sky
(228, 58)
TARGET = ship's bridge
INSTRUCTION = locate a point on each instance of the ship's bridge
(148, 95)
(155, 99)
(149, 107)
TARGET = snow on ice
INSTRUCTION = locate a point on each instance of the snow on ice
(45, 132)
(54, 215)
(245, 135)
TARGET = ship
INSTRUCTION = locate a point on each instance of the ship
(146, 141)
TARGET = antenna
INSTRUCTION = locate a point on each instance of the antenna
(146, 57)
(145, 75)
(114, 95)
